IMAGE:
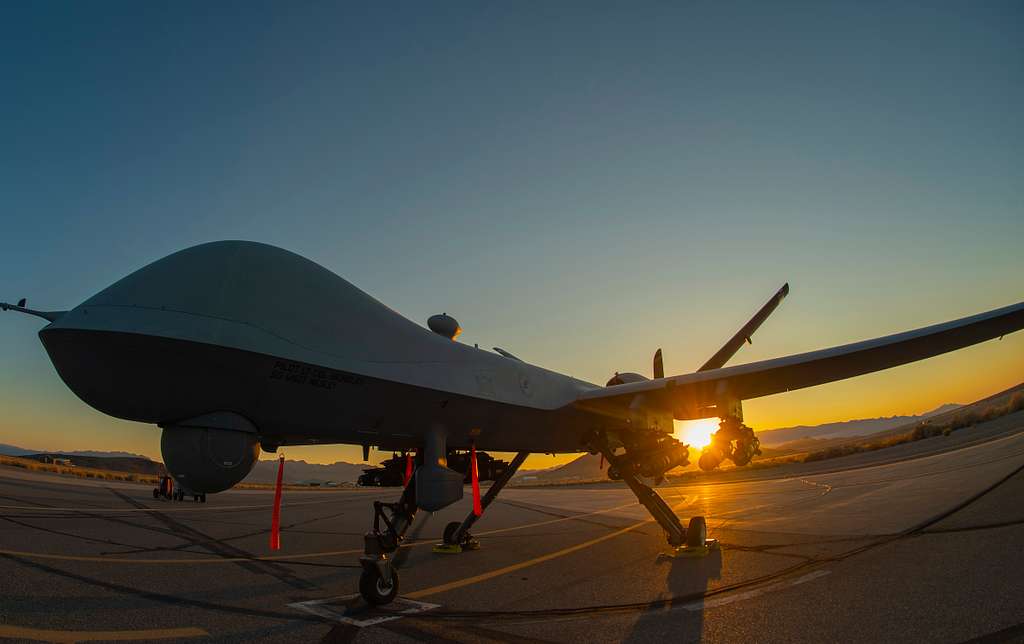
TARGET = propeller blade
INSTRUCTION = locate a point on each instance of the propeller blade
(659, 365)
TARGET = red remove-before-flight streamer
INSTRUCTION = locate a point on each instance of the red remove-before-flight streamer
(275, 522)
(477, 509)
(408, 469)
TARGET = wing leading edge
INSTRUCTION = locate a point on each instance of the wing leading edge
(695, 395)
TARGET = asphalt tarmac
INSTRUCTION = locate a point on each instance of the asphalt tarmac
(913, 543)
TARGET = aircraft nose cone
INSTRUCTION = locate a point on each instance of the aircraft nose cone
(153, 379)
(102, 369)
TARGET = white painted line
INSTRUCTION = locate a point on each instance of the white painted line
(343, 609)
(715, 602)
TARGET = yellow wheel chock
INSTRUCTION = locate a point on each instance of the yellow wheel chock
(456, 548)
(448, 548)
(710, 545)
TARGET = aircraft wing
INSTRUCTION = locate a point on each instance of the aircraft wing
(695, 395)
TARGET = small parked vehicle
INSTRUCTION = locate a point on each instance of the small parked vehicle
(167, 490)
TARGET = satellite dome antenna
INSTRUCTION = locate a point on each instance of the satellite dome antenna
(444, 325)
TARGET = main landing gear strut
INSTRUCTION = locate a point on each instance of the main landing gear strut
(456, 535)
(378, 583)
(691, 539)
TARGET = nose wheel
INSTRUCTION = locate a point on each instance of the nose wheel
(378, 583)
(375, 588)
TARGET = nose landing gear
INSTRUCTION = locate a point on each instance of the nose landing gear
(378, 583)
(375, 588)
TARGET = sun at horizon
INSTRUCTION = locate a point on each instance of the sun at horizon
(697, 433)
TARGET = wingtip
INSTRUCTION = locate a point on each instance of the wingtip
(49, 316)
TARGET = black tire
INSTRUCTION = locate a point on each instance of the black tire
(156, 493)
(373, 588)
(613, 473)
(708, 461)
(696, 532)
(449, 532)
(202, 497)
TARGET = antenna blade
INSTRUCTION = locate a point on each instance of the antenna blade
(743, 335)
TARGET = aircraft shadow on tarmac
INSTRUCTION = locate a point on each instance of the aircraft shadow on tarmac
(686, 578)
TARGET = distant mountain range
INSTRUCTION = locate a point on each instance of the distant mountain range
(584, 468)
(13, 450)
(589, 468)
(301, 471)
(846, 429)
(134, 464)
(264, 472)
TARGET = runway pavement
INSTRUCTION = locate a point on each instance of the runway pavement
(905, 544)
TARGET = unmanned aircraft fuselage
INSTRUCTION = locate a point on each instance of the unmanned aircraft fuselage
(307, 357)
(230, 346)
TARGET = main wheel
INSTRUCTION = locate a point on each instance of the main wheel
(156, 493)
(696, 532)
(449, 532)
(710, 458)
(375, 589)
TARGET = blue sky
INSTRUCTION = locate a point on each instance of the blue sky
(579, 183)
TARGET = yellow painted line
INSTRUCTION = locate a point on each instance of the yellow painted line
(307, 555)
(559, 520)
(468, 581)
(40, 635)
(196, 508)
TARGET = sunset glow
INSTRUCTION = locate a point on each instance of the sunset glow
(697, 433)
(501, 206)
